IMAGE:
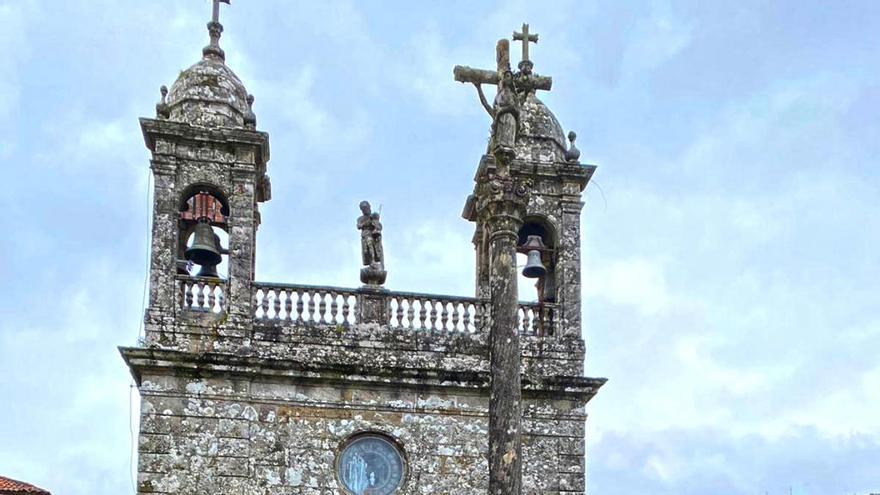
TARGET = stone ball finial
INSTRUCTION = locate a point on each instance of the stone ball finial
(250, 118)
(162, 110)
(572, 154)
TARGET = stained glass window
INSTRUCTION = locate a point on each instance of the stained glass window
(370, 465)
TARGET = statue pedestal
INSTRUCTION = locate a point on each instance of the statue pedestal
(374, 274)
(372, 302)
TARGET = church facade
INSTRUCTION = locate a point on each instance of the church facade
(252, 387)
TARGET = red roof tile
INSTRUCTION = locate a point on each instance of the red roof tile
(10, 486)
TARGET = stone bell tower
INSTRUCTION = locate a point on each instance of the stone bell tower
(209, 168)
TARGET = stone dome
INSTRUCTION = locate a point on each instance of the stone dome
(540, 136)
(208, 94)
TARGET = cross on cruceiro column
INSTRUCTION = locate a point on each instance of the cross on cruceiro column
(471, 75)
(526, 38)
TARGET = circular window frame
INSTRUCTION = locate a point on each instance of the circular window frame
(381, 436)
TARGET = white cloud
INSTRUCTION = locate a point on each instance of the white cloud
(639, 282)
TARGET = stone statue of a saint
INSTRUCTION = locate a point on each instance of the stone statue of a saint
(372, 254)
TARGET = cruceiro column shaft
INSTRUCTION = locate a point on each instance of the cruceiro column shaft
(505, 212)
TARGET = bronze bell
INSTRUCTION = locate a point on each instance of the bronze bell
(534, 267)
(204, 250)
(208, 271)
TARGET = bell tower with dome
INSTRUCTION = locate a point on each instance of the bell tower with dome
(251, 387)
(209, 171)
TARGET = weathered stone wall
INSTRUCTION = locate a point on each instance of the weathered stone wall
(243, 435)
(266, 411)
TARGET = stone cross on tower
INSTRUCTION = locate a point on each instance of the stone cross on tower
(215, 15)
(215, 29)
(526, 38)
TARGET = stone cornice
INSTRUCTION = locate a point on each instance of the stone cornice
(182, 132)
(141, 359)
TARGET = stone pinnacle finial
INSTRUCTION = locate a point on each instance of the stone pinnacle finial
(215, 29)
(572, 154)
(162, 110)
(250, 119)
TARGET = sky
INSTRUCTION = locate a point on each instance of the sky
(730, 233)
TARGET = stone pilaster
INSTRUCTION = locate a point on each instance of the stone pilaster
(163, 248)
(569, 267)
(242, 241)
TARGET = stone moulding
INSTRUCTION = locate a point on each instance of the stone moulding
(160, 361)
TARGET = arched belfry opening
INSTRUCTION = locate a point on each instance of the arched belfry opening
(203, 233)
(536, 259)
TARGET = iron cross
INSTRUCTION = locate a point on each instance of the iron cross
(215, 16)
(525, 37)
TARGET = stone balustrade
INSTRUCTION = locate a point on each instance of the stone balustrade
(324, 305)
(431, 312)
(202, 294)
(536, 319)
(305, 304)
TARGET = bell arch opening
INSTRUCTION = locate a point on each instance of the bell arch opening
(536, 261)
(203, 233)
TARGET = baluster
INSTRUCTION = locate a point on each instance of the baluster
(185, 296)
(312, 305)
(200, 295)
(209, 305)
(299, 306)
(399, 302)
(410, 313)
(467, 318)
(264, 303)
(534, 315)
(221, 301)
(334, 307)
(432, 316)
(456, 307)
(288, 304)
(444, 315)
(346, 310)
(276, 304)
(423, 314)
(322, 307)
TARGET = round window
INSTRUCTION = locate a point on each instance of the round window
(370, 465)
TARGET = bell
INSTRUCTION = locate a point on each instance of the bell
(208, 271)
(533, 246)
(534, 268)
(204, 250)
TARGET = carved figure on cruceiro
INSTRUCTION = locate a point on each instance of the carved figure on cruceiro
(505, 108)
